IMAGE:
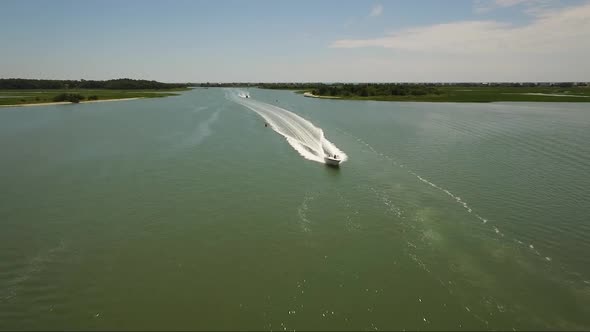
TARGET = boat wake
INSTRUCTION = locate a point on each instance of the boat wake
(307, 139)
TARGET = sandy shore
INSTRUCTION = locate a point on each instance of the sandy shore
(311, 95)
(68, 103)
(105, 100)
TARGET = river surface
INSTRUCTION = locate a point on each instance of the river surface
(188, 213)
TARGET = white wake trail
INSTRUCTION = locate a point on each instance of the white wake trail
(301, 134)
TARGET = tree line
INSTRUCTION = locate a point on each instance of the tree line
(339, 89)
(375, 89)
(227, 85)
(118, 84)
(314, 85)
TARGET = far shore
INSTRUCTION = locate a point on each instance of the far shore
(67, 102)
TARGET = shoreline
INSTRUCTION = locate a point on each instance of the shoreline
(554, 99)
(311, 95)
(68, 102)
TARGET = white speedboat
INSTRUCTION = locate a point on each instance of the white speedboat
(332, 160)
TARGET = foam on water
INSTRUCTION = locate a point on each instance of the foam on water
(10, 289)
(302, 211)
(455, 197)
(203, 130)
(307, 139)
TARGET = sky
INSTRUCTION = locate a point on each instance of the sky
(297, 41)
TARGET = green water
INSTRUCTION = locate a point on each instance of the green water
(187, 213)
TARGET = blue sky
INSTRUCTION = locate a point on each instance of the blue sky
(217, 41)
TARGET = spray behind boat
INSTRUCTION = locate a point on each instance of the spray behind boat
(307, 139)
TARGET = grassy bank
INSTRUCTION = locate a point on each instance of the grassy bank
(486, 94)
(20, 97)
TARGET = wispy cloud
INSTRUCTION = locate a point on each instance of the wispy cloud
(565, 30)
(377, 10)
(510, 3)
(532, 7)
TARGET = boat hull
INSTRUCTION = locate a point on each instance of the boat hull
(332, 162)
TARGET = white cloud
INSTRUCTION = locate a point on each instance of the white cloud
(377, 10)
(551, 47)
(566, 30)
